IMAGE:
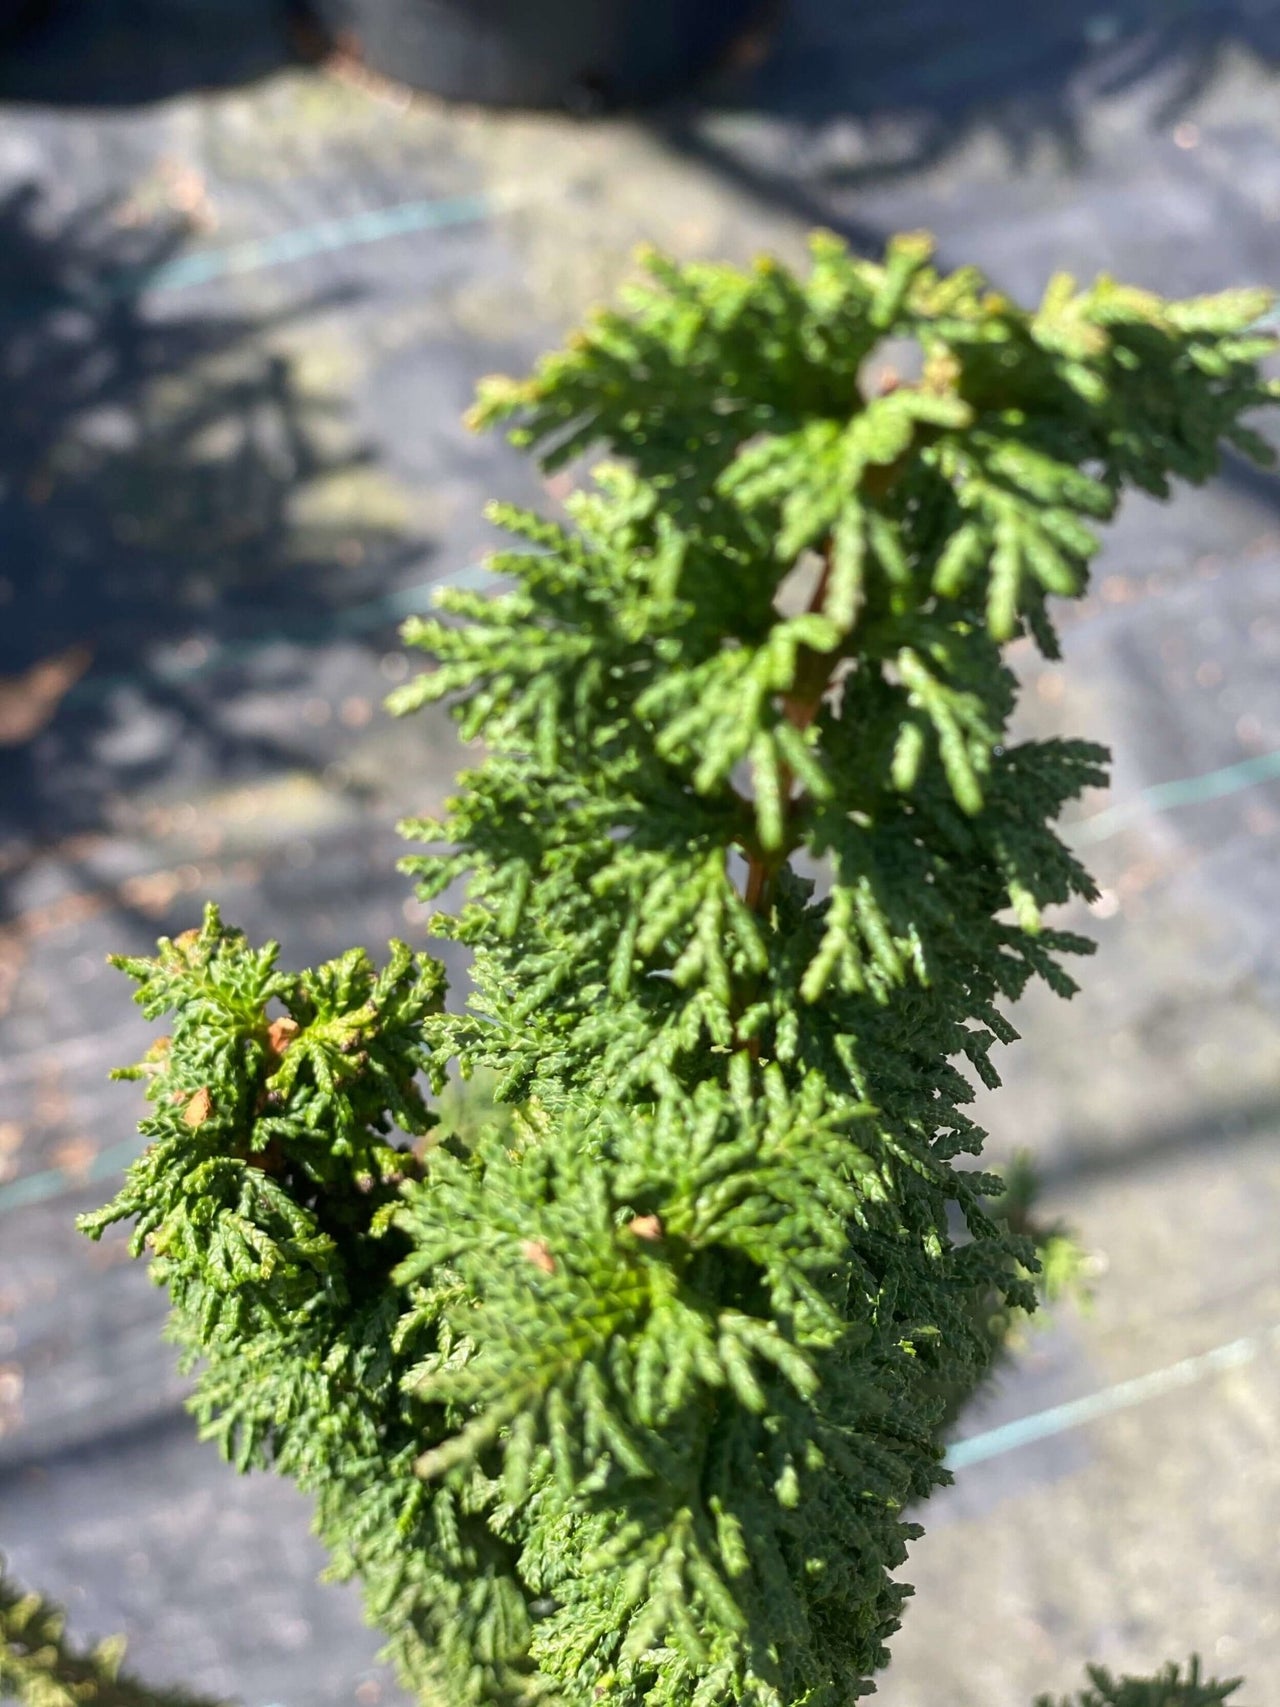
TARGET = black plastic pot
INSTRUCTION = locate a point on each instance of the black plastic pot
(17, 17)
(580, 54)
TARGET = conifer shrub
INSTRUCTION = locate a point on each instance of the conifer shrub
(623, 1396)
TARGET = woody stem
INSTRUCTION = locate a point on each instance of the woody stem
(800, 710)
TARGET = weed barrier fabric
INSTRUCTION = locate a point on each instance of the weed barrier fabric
(242, 308)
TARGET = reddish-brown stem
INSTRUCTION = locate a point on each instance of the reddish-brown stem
(813, 678)
(800, 711)
(757, 878)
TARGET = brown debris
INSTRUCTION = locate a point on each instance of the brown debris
(281, 1033)
(199, 1108)
(536, 1252)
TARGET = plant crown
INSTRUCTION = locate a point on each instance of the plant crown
(622, 1398)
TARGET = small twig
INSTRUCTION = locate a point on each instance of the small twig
(800, 711)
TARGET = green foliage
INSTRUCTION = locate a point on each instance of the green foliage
(264, 1198)
(269, 1153)
(1168, 1689)
(40, 1668)
(622, 1398)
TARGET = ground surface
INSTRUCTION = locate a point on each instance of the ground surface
(232, 460)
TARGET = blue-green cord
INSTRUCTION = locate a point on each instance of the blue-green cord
(1184, 791)
(53, 1182)
(1058, 1418)
(373, 225)
(255, 255)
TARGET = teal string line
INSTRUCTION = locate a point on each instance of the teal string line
(373, 225)
(1183, 791)
(38, 1188)
(1040, 1425)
